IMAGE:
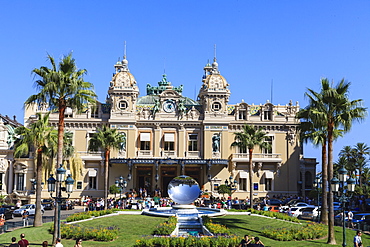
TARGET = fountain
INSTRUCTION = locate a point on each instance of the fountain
(184, 190)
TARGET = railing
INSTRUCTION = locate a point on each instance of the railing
(87, 153)
(192, 154)
(256, 156)
(171, 154)
(144, 153)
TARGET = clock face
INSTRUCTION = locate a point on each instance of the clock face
(169, 106)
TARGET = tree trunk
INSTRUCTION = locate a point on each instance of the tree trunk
(251, 176)
(106, 178)
(324, 173)
(62, 108)
(38, 216)
(331, 236)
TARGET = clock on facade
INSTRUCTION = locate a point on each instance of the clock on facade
(169, 106)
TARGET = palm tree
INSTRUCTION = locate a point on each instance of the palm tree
(60, 87)
(247, 139)
(314, 132)
(335, 110)
(107, 139)
(361, 150)
(346, 157)
(39, 136)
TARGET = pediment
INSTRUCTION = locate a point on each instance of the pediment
(170, 94)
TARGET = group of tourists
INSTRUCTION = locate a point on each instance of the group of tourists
(23, 242)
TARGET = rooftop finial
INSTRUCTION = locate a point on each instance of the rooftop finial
(124, 50)
(215, 59)
(164, 65)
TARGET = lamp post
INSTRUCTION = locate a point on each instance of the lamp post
(337, 185)
(121, 183)
(317, 185)
(61, 172)
(231, 184)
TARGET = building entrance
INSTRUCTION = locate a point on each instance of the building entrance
(194, 172)
(167, 174)
(144, 178)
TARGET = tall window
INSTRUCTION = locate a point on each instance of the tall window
(92, 183)
(193, 142)
(169, 141)
(268, 139)
(92, 178)
(144, 141)
(242, 184)
(20, 181)
(268, 183)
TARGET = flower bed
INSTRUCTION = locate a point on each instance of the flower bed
(302, 232)
(98, 233)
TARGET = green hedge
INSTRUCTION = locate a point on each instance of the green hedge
(217, 241)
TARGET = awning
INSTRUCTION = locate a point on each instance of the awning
(243, 174)
(269, 174)
(169, 137)
(92, 172)
(145, 137)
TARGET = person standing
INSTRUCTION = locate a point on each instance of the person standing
(14, 243)
(357, 241)
(45, 244)
(25, 215)
(58, 243)
(245, 241)
(350, 219)
(23, 242)
(2, 223)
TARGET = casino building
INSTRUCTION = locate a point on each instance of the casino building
(168, 134)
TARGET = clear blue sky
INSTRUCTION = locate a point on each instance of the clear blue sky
(292, 43)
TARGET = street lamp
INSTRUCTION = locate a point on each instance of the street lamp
(61, 172)
(121, 183)
(337, 185)
(317, 185)
(34, 184)
(231, 183)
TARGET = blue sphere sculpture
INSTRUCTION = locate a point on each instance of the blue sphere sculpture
(183, 189)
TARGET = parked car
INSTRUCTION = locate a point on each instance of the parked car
(48, 204)
(7, 212)
(275, 202)
(31, 208)
(310, 213)
(274, 208)
(296, 211)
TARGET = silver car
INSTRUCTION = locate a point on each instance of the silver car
(30, 208)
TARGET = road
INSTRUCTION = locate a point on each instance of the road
(48, 216)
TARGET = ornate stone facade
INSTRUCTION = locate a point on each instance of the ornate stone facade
(168, 134)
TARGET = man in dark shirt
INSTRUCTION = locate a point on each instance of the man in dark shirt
(23, 242)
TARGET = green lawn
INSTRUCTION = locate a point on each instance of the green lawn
(132, 227)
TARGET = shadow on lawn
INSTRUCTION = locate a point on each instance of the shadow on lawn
(244, 224)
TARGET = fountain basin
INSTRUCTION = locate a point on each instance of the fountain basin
(189, 211)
